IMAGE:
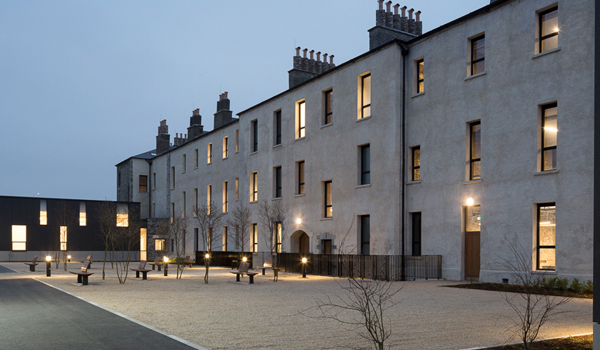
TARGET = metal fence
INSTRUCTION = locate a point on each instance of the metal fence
(226, 259)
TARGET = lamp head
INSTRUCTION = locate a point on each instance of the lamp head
(166, 259)
(304, 260)
(206, 256)
(48, 258)
(470, 202)
(244, 259)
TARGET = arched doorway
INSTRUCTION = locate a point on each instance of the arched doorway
(300, 243)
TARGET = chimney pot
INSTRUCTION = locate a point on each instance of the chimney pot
(319, 56)
(410, 13)
(298, 51)
(305, 50)
(396, 8)
(380, 4)
(311, 54)
(418, 15)
(331, 59)
(325, 58)
(403, 8)
(387, 6)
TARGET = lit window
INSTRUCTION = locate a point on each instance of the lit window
(237, 141)
(365, 96)
(548, 29)
(63, 238)
(277, 128)
(225, 147)
(122, 215)
(237, 188)
(209, 154)
(277, 230)
(365, 165)
(253, 187)
(43, 212)
(328, 200)
(301, 120)
(225, 198)
(416, 163)
(546, 236)
(19, 237)
(300, 177)
(365, 235)
(254, 130)
(328, 109)
(208, 197)
(159, 244)
(277, 182)
(143, 183)
(224, 238)
(475, 151)
(549, 134)
(82, 214)
(478, 55)
(143, 238)
(254, 239)
(420, 75)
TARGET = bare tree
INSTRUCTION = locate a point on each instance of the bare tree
(107, 215)
(209, 220)
(123, 240)
(531, 310)
(63, 223)
(175, 230)
(239, 221)
(273, 219)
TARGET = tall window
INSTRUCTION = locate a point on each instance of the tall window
(420, 75)
(549, 136)
(172, 177)
(122, 215)
(300, 177)
(277, 182)
(209, 237)
(225, 147)
(225, 198)
(478, 55)
(328, 200)
(475, 151)
(546, 236)
(183, 206)
(196, 158)
(19, 237)
(416, 234)
(195, 209)
(254, 131)
(184, 163)
(172, 212)
(143, 243)
(208, 196)
(365, 235)
(254, 187)
(548, 29)
(237, 188)
(224, 238)
(328, 109)
(209, 153)
(416, 163)
(143, 183)
(82, 214)
(153, 181)
(254, 239)
(43, 213)
(63, 238)
(365, 165)
(277, 231)
(277, 128)
(365, 96)
(237, 141)
(301, 121)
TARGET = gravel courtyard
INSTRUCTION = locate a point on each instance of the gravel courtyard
(228, 315)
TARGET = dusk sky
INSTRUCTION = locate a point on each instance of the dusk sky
(84, 84)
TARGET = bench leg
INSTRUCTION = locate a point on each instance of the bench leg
(78, 278)
(251, 279)
(84, 280)
(237, 277)
(159, 267)
(144, 275)
(32, 268)
(152, 267)
(137, 274)
(263, 272)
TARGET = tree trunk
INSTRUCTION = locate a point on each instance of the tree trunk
(206, 264)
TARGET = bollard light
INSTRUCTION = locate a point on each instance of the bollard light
(68, 258)
(166, 260)
(206, 256)
(304, 261)
(48, 265)
(244, 259)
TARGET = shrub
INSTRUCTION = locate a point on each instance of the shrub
(550, 283)
(562, 284)
(588, 287)
(576, 286)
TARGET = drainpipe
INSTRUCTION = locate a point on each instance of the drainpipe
(596, 258)
(149, 182)
(404, 59)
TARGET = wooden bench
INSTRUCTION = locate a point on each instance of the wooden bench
(243, 270)
(187, 261)
(32, 264)
(82, 275)
(89, 261)
(157, 262)
(141, 268)
(268, 264)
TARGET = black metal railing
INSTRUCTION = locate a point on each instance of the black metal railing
(226, 259)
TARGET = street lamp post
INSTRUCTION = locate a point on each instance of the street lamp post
(304, 260)
(166, 260)
(48, 266)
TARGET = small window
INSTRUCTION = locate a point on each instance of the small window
(328, 199)
(82, 214)
(196, 158)
(475, 151)
(548, 29)
(254, 187)
(277, 128)
(254, 239)
(416, 163)
(122, 215)
(301, 120)
(237, 141)
(549, 134)
(209, 153)
(195, 209)
(277, 182)
(63, 238)
(225, 147)
(159, 244)
(225, 198)
(477, 59)
(172, 177)
(237, 188)
(184, 163)
(420, 75)
(300, 189)
(19, 237)
(365, 96)
(143, 183)
(365, 165)
(546, 236)
(254, 138)
(365, 235)
(328, 109)
(43, 213)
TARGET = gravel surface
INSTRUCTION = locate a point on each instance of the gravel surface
(228, 315)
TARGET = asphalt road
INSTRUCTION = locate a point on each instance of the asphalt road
(36, 316)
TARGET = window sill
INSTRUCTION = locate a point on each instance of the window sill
(276, 198)
(473, 182)
(209, 163)
(418, 94)
(195, 168)
(183, 172)
(253, 153)
(299, 195)
(545, 53)
(275, 146)
(326, 219)
(365, 118)
(365, 185)
(545, 272)
(547, 172)
(326, 125)
(253, 202)
(300, 138)
(225, 158)
(475, 76)
(413, 182)
(142, 191)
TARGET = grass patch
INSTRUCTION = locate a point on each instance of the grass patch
(512, 288)
(571, 343)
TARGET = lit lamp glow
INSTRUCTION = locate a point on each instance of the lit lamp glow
(244, 259)
(470, 202)
(48, 264)
(207, 256)
(166, 260)
(68, 258)
(299, 221)
(304, 260)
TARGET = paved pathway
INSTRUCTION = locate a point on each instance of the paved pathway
(36, 316)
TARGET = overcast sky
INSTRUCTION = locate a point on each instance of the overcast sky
(84, 84)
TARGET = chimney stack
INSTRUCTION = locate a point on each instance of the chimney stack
(306, 68)
(195, 129)
(163, 139)
(223, 115)
(390, 25)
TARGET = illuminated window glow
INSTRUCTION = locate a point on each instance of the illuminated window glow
(549, 136)
(19, 237)
(122, 215)
(365, 96)
(546, 236)
(63, 238)
(43, 212)
(548, 29)
(301, 120)
(82, 214)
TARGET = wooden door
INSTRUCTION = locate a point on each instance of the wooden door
(472, 247)
(303, 243)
